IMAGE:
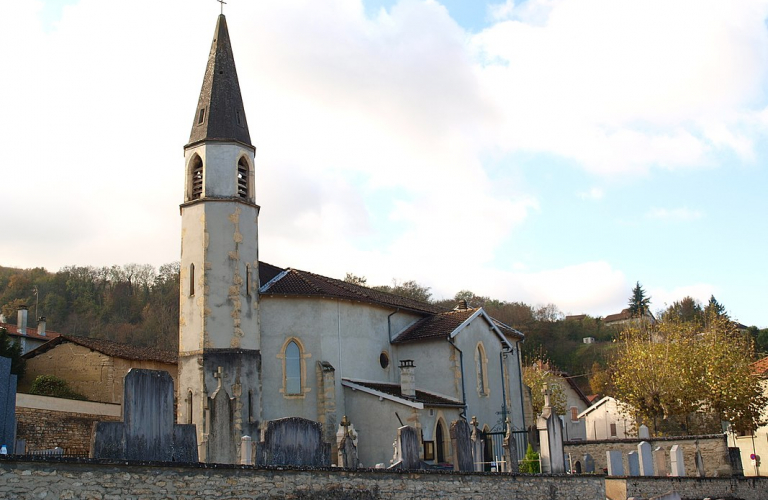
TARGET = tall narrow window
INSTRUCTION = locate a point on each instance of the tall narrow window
(201, 116)
(481, 366)
(196, 175)
(292, 368)
(189, 407)
(242, 178)
(440, 442)
(248, 280)
(191, 280)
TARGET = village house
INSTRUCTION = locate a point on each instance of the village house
(28, 337)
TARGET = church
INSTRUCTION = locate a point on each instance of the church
(259, 342)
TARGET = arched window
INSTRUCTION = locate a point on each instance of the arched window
(481, 367)
(440, 443)
(242, 178)
(292, 368)
(195, 178)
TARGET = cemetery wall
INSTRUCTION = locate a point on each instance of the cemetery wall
(28, 479)
(688, 488)
(45, 423)
(714, 451)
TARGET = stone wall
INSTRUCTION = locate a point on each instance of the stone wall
(44, 429)
(714, 451)
(646, 487)
(88, 479)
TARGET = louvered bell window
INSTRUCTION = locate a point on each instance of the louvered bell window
(242, 178)
(197, 178)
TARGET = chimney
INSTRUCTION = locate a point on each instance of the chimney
(41, 326)
(462, 305)
(407, 378)
(21, 326)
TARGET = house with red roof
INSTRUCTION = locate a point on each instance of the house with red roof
(28, 337)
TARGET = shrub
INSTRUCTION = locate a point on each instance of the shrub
(530, 463)
(51, 385)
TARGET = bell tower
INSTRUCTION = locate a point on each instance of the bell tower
(219, 379)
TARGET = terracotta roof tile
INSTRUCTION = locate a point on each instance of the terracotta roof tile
(760, 367)
(303, 283)
(13, 330)
(438, 326)
(110, 348)
(421, 396)
(624, 314)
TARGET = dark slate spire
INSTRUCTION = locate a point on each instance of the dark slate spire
(220, 113)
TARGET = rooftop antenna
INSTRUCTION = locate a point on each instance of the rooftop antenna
(222, 2)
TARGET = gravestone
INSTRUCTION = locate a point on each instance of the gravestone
(643, 432)
(293, 441)
(478, 447)
(7, 405)
(589, 464)
(462, 445)
(700, 472)
(147, 431)
(615, 463)
(677, 465)
(510, 450)
(660, 462)
(246, 451)
(346, 443)
(633, 462)
(645, 453)
(550, 429)
(407, 453)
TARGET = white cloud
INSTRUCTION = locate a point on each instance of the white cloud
(675, 214)
(593, 194)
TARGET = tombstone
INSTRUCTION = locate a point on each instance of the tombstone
(643, 432)
(700, 472)
(589, 464)
(461, 441)
(660, 462)
(510, 450)
(550, 429)
(246, 451)
(633, 461)
(677, 465)
(147, 431)
(615, 463)
(670, 495)
(7, 405)
(734, 458)
(645, 453)
(346, 443)
(407, 453)
(293, 441)
(478, 447)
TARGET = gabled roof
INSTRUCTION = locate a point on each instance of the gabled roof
(605, 400)
(293, 282)
(565, 376)
(448, 324)
(13, 330)
(114, 349)
(624, 314)
(392, 392)
(220, 113)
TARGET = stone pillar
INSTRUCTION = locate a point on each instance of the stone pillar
(550, 429)
(326, 403)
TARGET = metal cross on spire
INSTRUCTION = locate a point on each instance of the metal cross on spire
(222, 2)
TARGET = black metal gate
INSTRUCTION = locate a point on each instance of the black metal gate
(494, 444)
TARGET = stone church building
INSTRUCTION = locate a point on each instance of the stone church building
(259, 342)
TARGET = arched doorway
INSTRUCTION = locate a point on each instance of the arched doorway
(440, 442)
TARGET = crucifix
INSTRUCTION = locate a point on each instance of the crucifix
(345, 423)
(222, 2)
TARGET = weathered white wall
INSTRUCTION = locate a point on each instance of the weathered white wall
(598, 422)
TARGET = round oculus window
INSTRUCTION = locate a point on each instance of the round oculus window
(384, 360)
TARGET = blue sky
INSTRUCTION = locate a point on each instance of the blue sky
(547, 151)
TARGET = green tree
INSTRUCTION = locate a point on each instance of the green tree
(639, 304)
(356, 280)
(55, 387)
(686, 310)
(12, 350)
(410, 289)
